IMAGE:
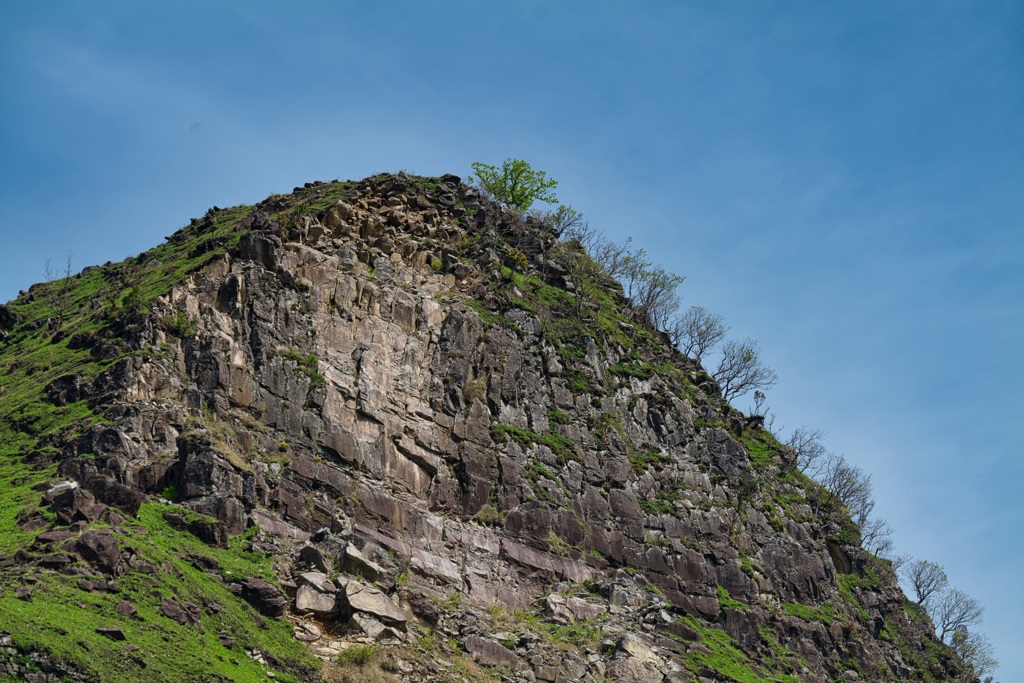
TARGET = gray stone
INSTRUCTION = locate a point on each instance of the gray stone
(306, 631)
(309, 599)
(490, 653)
(361, 597)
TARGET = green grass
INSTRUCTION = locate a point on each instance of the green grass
(657, 506)
(764, 449)
(826, 614)
(357, 655)
(642, 370)
(558, 444)
(721, 654)
(557, 417)
(726, 601)
(641, 461)
(60, 616)
(308, 364)
(537, 470)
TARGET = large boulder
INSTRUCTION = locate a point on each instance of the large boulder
(100, 549)
(265, 597)
(362, 597)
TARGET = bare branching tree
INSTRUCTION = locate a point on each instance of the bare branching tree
(697, 331)
(58, 291)
(925, 578)
(807, 444)
(654, 293)
(615, 258)
(875, 535)
(741, 369)
(899, 562)
(759, 408)
(566, 221)
(849, 483)
(952, 610)
(579, 268)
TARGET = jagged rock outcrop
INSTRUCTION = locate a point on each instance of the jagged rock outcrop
(434, 430)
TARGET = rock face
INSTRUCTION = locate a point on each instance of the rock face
(433, 425)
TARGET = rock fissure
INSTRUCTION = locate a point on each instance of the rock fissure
(390, 392)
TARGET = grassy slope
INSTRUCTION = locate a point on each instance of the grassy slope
(60, 617)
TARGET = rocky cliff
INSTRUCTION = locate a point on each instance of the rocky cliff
(377, 424)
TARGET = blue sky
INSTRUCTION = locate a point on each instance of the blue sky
(842, 181)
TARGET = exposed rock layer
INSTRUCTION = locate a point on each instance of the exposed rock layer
(424, 432)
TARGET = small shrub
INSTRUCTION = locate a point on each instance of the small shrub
(517, 259)
(489, 515)
(644, 460)
(180, 324)
(130, 303)
(476, 389)
(358, 655)
(556, 417)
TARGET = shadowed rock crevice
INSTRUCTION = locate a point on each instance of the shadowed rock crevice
(392, 391)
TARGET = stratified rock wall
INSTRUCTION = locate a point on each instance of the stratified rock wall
(377, 385)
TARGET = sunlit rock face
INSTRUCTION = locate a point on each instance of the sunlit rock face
(452, 448)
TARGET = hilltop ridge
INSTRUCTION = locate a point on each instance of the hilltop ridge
(378, 424)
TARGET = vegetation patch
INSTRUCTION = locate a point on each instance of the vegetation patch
(490, 515)
(721, 654)
(727, 601)
(764, 449)
(641, 461)
(60, 616)
(558, 444)
(307, 363)
(826, 614)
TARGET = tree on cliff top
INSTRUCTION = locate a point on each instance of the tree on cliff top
(515, 184)
(741, 369)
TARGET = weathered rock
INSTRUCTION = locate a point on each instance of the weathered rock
(311, 556)
(570, 610)
(360, 597)
(172, 610)
(307, 632)
(309, 599)
(365, 384)
(373, 628)
(265, 597)
(490, 653)
(112, 632)
(101, 549)
(353, 562)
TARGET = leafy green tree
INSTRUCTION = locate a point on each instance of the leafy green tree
(976, 651)
(515, 184)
